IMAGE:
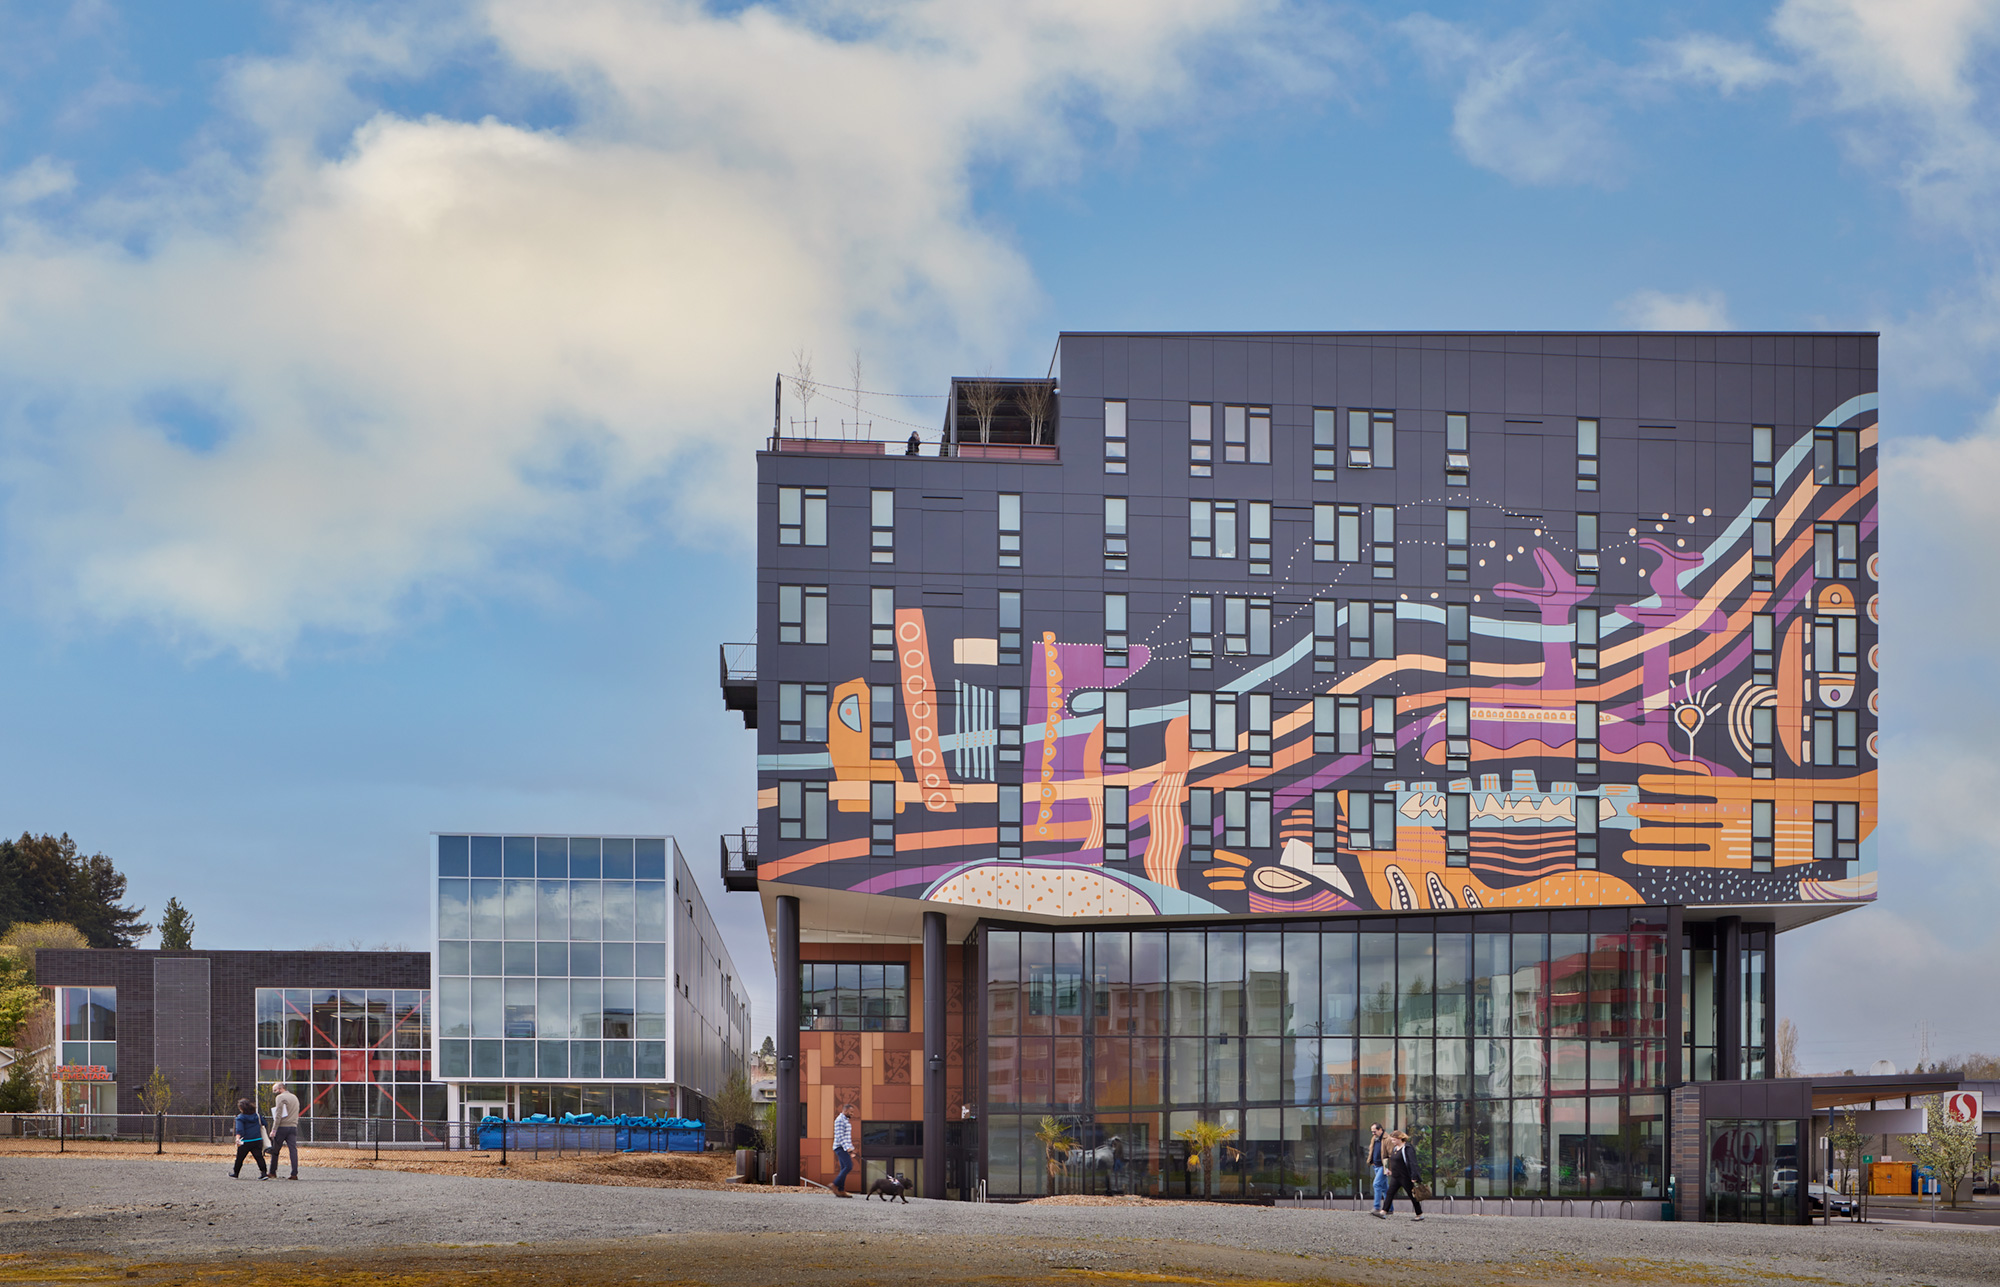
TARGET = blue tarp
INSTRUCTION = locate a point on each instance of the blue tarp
(583, 1131)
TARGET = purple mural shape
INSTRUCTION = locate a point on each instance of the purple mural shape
(1668, 605)
(1082, 669)
(1558, 594)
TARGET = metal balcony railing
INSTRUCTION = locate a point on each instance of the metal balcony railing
(739, 680)
(739, 860)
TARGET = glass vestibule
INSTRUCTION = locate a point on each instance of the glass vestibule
(1525, 1051)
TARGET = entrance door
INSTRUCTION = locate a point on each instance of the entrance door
(473, 1112)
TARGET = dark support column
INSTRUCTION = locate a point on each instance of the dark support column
(1676, 984)
(1729, 979)
(935, 1039)
(788, 1040)
(1770, 1037)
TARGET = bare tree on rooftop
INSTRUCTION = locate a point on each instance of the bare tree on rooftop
(803, 387)
(982, 398)
(1038, 400)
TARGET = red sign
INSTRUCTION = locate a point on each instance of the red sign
(82, 1072)
(1964, 1106)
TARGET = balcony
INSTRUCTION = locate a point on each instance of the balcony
(739, 680)
(739, 861)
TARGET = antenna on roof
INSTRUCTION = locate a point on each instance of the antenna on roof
(777, 404)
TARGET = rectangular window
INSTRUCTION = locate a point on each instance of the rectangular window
(1117, 825)
(1763, 728)
(1586, 831)
(1457, 451)
(1326, 444)
(1326, 826)
(1201, 632)
(1371, 439)
(1585, 648)
(1326, 627)
(1586, 549)
(1383, 732)
(1010, 628)
(1348, 739)
(882, 721)
(1212, 529)
(1763, 837)
(847, 997)
(1010, 530)
(1246, 435)
(1586, 455)
(801, 712)
(1836, 641)
(1457, 544)
(881, 623)
(1586, 739)
(802, 614)
(1117, 722)
(1259, 729)
(1115, 538)
(1836, 551)
(1212, 721)
(1201, 439)
(1336, 533)
(1457, 734)
(1371, 820)
(1836, 457)
(1761, 542)
(1201, 823)
(1761, 460)
(1457, 829)
(1245, 822)
(1836, 831)
(1457, 638)
(1246, 626)
(882, 525)
(801, 810)
(1009, 842)
(1114, 632)
(882, 819)
(1384, 539)
(1326, 725)
(1009, 702)
(1763, 648)
(802, 516)
(1836, 737)
(1114, 437)
(1260, 538)
(1371, 630)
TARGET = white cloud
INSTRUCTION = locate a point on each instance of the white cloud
(1727, 66)
(38, 180)
(327, 386)
(1653, 310)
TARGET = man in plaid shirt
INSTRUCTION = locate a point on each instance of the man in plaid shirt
(843, 1149)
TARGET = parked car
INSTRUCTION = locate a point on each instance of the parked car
(1820, 1195)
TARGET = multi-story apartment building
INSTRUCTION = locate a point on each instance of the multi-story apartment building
(1305, 730)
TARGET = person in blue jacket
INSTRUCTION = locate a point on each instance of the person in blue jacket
(249, 1139)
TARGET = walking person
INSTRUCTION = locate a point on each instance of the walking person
(1403, 1175)
(249, 1139)
(1378, 1172)
(843, 1150)
(284, 1126)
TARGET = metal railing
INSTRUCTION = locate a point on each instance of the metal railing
(739, 860)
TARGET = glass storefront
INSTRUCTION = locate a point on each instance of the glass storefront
(87, 1068)
(1753, 1172)
(1524, 1051)
(357, 1058)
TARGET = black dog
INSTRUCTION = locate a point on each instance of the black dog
(890, 1187)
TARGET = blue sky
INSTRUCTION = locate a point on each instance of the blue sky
(378, 382)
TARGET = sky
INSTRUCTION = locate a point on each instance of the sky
(379, 382)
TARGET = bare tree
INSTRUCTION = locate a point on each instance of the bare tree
(1788, 1048)
(860, 431)
(803, 387)
(982, 398)
(1038, 400)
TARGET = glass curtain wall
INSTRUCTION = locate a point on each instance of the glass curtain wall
(1524, 1051)
(359, 1060)
(87, 1069)
(1753, 1171)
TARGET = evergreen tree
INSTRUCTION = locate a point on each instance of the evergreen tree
(176, 928)
(45, 878)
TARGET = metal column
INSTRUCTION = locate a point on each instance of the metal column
(934, 1054)
(788, 1040)
(1675, 1071)
(1729, 980)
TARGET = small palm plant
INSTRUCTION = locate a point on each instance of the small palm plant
(1056, 1144)
(1202, 1139)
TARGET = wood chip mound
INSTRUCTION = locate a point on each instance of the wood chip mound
(1100, 1200)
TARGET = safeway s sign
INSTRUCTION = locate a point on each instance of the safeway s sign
(1962, 1107)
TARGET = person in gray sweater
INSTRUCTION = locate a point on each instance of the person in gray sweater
(284, 1126)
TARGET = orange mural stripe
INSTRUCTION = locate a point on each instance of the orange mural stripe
(913, 651)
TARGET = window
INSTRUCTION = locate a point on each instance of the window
(1326, 444)
(1114, 632)
(1457, 451)
(89, 1035)
(1201, 439)
(881, 721)
(1371, 820)
(1117, 823)
(1212, 529)
(1371, 439)
(1246, 435)
(1117, 726)
(1336, 724)
(1457, 544)
(1763, 727)
(1201, 824)
(1246, 819)
(1836, 547)
(882, 525)
(1836, 645)
(1009, 702)
(1457, 638)
(1586, 832)
(1457, 734)
(1457, 829)
(882, 819)
(1383, 732)
(1585, 648)
(1763, 650)
(1762, 833)
(881, 624)
(1836, 737)
(1009, 847)
(1201, 632)
(1836, 457)
(1326, 627)
(1836, 831)
(1010, 628)
(802, 516)
(1586, 739)
(1246, 626)
(801, 712)
(1586, 455)
(1385, 542)
(845, 997)
(1371, 630)
(1260, 538)
(801, 810)
(1212, 721)
(1761, 460)
(1115, 546)
(1010, 530)
(1114, 437)
(1761, 541)
(802, 614)
(1326, 826)
(1336, 533)
(1586, 549)
(1260, 729)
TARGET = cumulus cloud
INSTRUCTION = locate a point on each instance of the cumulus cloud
(311, 389)
(1652, 310)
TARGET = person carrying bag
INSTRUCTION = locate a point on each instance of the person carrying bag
(1403, 1175)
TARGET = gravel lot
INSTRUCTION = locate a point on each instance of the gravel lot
(155, 1210)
